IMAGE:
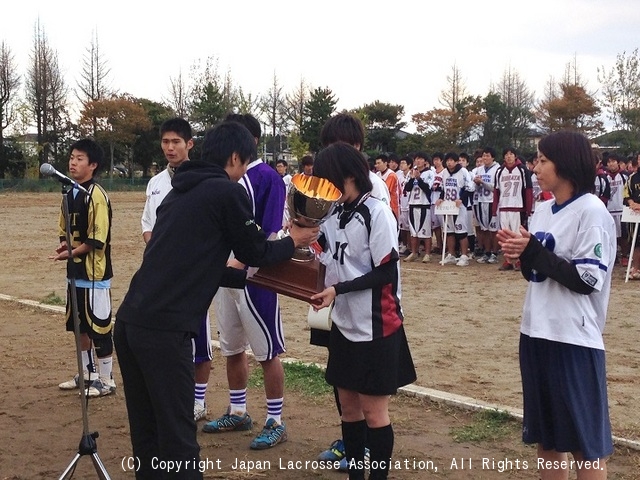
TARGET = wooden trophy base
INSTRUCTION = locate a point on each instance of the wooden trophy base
(296, 279)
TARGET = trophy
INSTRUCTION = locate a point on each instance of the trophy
(309, 201)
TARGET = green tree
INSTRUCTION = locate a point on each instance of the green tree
(573, 109)
(384, 121)
(146, 148)
(321, 105)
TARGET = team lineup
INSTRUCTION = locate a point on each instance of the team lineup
(541, 216)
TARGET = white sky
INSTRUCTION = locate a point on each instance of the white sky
(398, 52)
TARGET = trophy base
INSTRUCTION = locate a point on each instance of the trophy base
(293, 278)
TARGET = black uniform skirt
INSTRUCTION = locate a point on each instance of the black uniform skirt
(377, 367)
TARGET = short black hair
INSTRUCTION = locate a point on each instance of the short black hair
(343, 127)
(282, 162)
(452, 155)
(509, 149)
(94, 152)
(248, 121)
(177, 125)
(225, 139)
(573, 157)
(490, 150)
(339, 161)
(421, 154)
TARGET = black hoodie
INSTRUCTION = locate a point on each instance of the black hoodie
(202, 219)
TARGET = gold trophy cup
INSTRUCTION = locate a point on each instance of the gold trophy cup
(309, 201)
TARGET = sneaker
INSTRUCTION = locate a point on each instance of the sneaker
(272, 434)
(411, 257)
(624, 261)
(344, 465)
(426, 258)
(492, 258)
(402, 249)
(334, 453)
(199, 411)
(463, 261)
(73, 383)
(448, 260)
(505, 266)
(229, 423)
(483, 259)
(101, 387)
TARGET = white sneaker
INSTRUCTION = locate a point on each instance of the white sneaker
(448, 260)
(426, 258)
(402, 249)
(492, 259)
(199, 411)
(463, 261)
(411, 257)
(73, 383)
(483, 259)
(101, 387)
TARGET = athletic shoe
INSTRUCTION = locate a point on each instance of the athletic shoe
(411, 257)
(463, 261)
(101, 387)
(199, 411)
(344, 465)
(483, 259)
(229, 423)
(624, 261)
(492, 258)
(272, 434)
(426, 258)
(73, 383)
(505, 266)
(402, 249)
(449, 260)
(634, 274)
(334, 453)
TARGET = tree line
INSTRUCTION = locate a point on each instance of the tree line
(509, 114)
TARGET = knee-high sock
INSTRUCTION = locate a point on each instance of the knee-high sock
(380, 449)
(353, 436)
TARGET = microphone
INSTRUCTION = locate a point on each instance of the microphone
(48, 170)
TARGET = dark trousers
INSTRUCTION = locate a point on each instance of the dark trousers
(158, 379)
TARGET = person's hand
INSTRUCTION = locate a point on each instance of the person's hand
(62, 252)
(458, 203)
(477, 179)
(438, 202)
(513, 243)
(62, 247)
(235, 263)
(325, 297)
(303, 236)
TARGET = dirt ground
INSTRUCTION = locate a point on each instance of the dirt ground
(462, 325)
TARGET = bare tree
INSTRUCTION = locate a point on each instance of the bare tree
(518, 103)
(295, 105)
(9, 84)
(179, 96)
(93, 84)
(621, 91)
(273, 108)
(46, 94)
(456, 90)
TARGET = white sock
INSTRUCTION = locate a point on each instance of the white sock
(106, 366)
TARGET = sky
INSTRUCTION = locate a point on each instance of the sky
(398, 52)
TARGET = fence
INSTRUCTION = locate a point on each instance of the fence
(51, 185)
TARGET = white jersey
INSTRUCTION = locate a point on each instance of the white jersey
(157, 188)
(512, 186)
(438, 182)
(457, 185)
(379, 190)
(616, 181)
(417, 196)
(484, 192)
(404, 196)
(583, 233)
(357, 241)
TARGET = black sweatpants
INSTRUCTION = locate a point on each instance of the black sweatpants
(158, 379)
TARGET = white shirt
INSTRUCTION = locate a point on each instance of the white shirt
(157, 189)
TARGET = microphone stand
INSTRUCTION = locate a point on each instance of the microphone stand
(88, 444)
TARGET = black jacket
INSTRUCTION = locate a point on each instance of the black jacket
(200, 221)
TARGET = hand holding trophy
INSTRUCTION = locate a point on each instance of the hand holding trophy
(309, 201)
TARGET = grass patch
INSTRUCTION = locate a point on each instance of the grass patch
(53, 299)
(488, 425)
(305, 379)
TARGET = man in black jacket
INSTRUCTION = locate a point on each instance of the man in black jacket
(206, 215)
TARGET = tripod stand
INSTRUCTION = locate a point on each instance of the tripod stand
(88, 444)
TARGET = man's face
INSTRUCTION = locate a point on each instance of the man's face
(612, 165)
(236, 167)
(509, 159)
(404, 166)
(487, 159)
(281, 169)
(437, 162)
(380, 165)
(419, 163)
(175, 149)
(79, 167)
(451, 163)
(307, 169)
(393, 165)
